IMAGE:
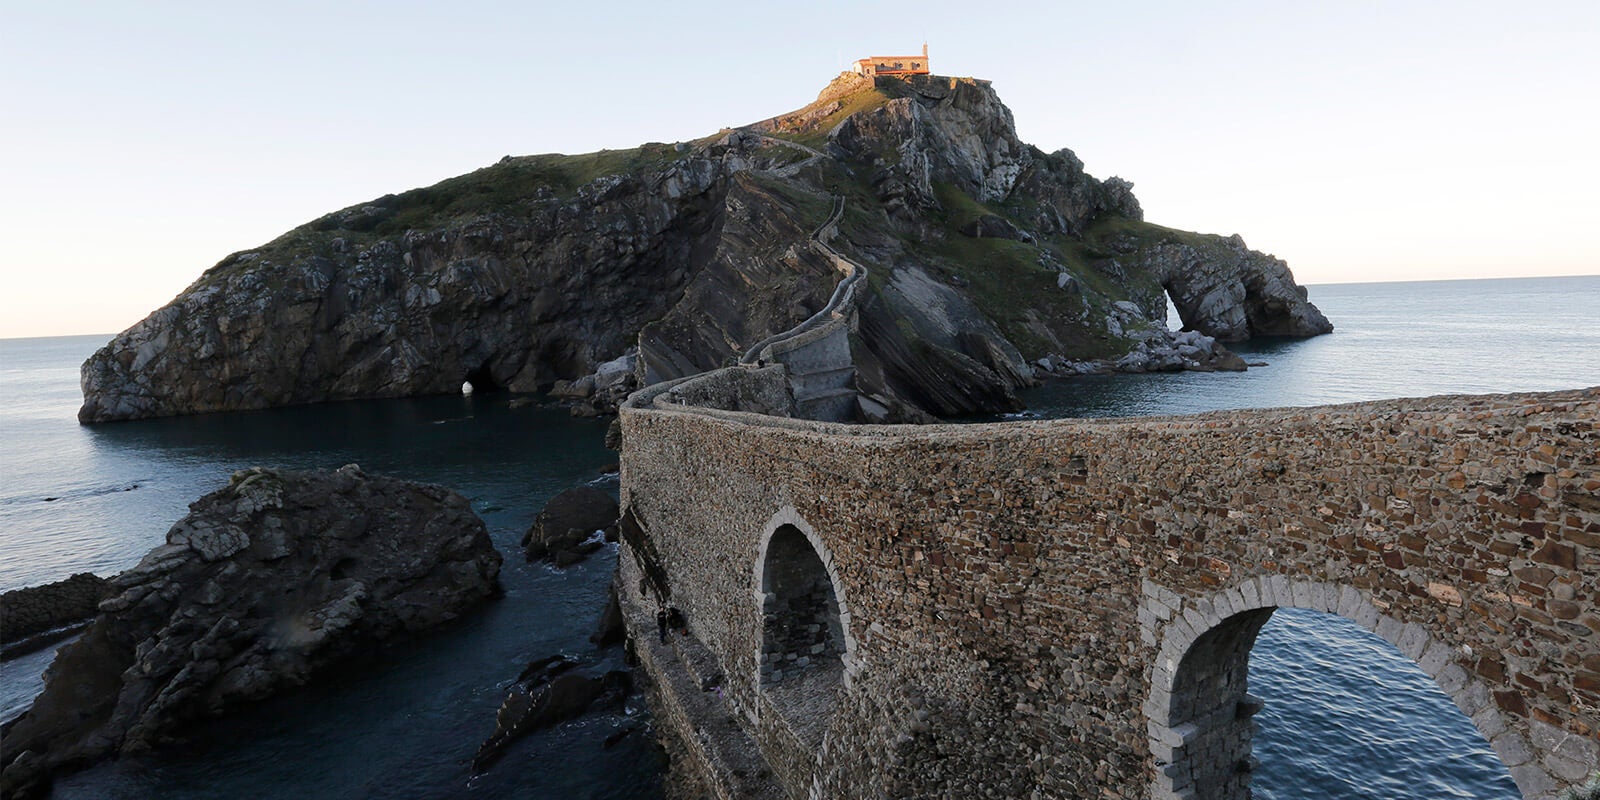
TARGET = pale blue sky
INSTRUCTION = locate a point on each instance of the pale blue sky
(142, 142)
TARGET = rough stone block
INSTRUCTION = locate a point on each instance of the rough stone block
(1489, 722)
(1389, 629)
(1512, 748)
(1349, 602)
(1581, 749)
(1413, 641)
(1532, 780)
(1320, 598)
(1565, 769)
(1472, 698)
(1177, 736)
(1250, 590)
(1545, 736)
(1147, 618)
(1367, 616)
(1434, 658)
(1279, 588)
(1163, 752)
(1451, 679)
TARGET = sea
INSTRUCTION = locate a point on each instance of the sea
(1346, 717)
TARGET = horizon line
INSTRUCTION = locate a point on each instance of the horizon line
(1307, 285)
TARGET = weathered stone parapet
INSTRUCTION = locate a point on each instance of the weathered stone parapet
(1032, 605)
(747, 390)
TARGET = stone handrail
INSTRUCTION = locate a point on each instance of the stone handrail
(843, 295)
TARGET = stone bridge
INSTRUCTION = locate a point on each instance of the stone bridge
(1066, 608)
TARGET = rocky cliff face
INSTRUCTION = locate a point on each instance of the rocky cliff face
(594, 274)
(264, 584)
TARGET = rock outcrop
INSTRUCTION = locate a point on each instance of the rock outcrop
(573, 524)
(549, 691)
(1221, 287)
(590, 276)
(263, 585)
(29, 616)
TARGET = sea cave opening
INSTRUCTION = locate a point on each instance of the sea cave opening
(480, 381)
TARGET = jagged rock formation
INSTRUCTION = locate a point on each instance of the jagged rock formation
(549, 691)
(264, 584)
(564, 532)
(594, 274)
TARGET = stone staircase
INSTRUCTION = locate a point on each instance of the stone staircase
(816, 353)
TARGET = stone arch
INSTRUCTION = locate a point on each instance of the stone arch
(1199, 713)
(807, 652)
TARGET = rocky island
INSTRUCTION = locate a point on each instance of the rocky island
(988, 264)
(266, 584)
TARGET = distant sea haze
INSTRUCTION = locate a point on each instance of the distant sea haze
(1345, 718)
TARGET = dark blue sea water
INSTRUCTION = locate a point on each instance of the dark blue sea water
(1347, 716)
(76, 498)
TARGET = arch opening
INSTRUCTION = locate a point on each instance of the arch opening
(1381, 726)
(1390, 714)
(1212, 705)
(803, 642)
(1172, 316)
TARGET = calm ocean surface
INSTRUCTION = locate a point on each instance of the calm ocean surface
(1347, 716)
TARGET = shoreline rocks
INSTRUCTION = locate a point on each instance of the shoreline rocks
(565, 530)
(549, 691)
(265, 584)
(1158, 351)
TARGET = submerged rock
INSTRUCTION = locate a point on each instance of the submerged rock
(263, 585)
(566, 529)
(550, 691)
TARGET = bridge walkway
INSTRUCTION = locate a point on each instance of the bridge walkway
(688, 680)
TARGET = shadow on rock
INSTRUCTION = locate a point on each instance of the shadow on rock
(550, 691)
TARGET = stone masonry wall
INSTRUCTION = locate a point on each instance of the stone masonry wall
(1026, 606)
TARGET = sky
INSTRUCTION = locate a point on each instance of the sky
(1358, 140)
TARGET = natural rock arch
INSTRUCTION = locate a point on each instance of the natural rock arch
(1199, 713)
(807, 651)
